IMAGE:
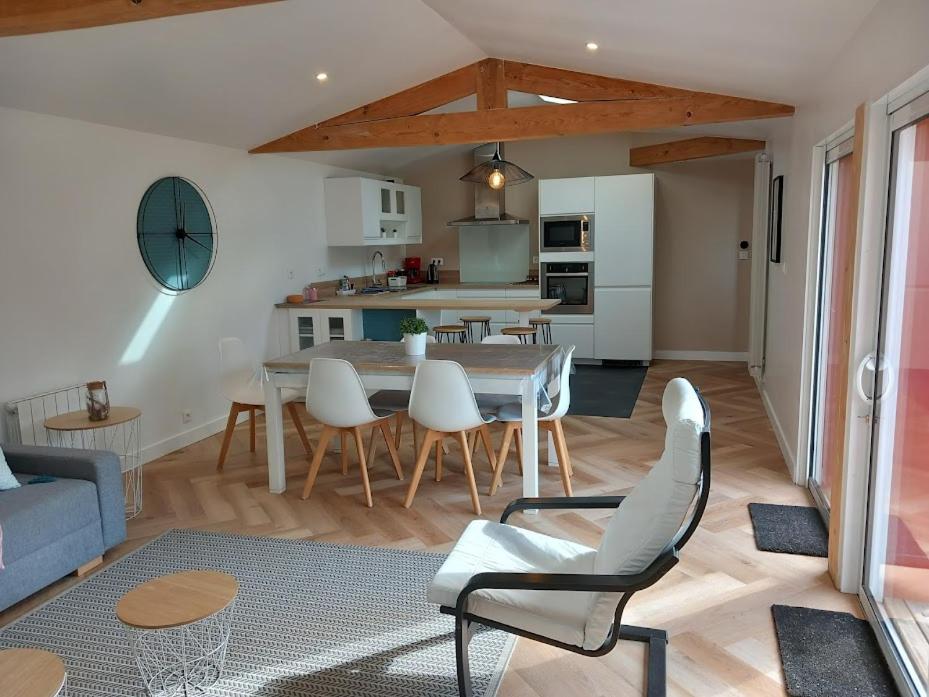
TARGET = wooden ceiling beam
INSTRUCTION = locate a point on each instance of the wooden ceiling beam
(18, 17)
(491, 84)
(528, 123)
(691, 149)
(581, 87)
(428, 95)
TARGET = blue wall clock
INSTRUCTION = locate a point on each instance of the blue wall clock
(176, 234)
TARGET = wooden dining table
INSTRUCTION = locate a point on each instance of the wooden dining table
(522, 371)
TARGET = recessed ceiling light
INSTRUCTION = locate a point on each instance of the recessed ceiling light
(322, 77)
(591, 46)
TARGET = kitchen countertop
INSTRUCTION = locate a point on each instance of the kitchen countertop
(400, 300)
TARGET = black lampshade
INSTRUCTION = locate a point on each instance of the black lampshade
(512, 174)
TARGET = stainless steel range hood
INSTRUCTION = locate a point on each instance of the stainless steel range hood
(489, 204)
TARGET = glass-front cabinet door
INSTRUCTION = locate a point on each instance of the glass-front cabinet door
(896, 575)
(836, 270)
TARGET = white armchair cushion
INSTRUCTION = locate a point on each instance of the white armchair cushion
(649, 518)
(489, 546)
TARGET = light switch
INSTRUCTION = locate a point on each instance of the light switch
(744, 254)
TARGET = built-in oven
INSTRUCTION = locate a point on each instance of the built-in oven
(571, 282)
(567, 233)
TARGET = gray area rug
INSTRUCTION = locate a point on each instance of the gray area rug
(830, 654)
(605, 390)
(789, 529)
(312, 619)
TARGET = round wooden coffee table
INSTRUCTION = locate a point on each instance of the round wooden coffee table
(121, 433)
(32, 673)
(178, 627)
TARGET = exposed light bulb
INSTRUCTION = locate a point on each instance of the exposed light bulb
(592, 46)
(322, 77)
(496, 180)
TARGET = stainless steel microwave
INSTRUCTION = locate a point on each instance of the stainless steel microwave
(567, 233)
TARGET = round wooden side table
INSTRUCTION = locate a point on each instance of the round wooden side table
(178, 627)
(32, 673)
(121, 432)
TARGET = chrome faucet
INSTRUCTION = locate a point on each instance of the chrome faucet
(374, 269)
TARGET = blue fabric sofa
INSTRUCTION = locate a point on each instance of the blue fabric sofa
(51, 529)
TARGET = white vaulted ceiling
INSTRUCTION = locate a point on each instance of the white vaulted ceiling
(241, 77)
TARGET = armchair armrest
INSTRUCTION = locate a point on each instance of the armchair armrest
(591, 583)
(98, 466)
(561, 502)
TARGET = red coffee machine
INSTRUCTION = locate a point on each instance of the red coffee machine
(413, 268)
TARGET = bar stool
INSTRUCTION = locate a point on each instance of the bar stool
(521, 332)
(448, 332)
(483, 323)
(544, 324)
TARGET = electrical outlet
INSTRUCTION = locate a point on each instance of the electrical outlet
(320, 272)
(186, 416)
(535, 258)
(744, 254)
(290, 274)
(438, 261)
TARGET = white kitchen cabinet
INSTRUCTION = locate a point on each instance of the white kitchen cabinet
(624, 230)
(566, 196)
(623, 324)
(581, 336)
(309, 328)
(362, 211)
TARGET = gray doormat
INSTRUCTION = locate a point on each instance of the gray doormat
(830, 654)
(605, 390)
(789, 529)
(311, 620)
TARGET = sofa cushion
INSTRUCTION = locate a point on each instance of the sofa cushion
(7, 480)
(37, 515)
(488, 546)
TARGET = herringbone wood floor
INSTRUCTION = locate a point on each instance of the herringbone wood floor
(715, 604)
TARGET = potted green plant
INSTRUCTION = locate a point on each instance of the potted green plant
(414, 330)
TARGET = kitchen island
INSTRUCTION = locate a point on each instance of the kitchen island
(369, 316)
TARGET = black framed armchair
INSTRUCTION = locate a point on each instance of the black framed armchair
(572, 596)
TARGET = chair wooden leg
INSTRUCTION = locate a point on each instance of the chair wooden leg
(469, 472)
(415, 438)
(508, 431)
(365, 484)
(439, 450)
(298, 424)
(399, 429)
(564, 460)
(227, 436)
(344, 441)
(391, 448)
(251, 429)
(519, 449)
(428, 439)
(488, 447)
(472, 442)
(324, 438)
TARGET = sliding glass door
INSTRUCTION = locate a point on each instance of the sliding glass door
(836, 269)
(896, 578)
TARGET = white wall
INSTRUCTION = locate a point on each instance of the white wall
(889, 47)
(76, 295)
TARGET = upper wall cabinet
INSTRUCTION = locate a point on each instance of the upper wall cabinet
(566, 196)
(361, 211)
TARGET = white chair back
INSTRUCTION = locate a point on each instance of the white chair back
(237, 367)
(564, 388)
(650, 517)
(500, 339)
(335, 395)
(442, 398)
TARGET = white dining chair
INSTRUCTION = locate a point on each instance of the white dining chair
(500, 339)
(511, 415)
(335, 396)
(398, 402)
(241, 383)
(443, 402)
(571, 596)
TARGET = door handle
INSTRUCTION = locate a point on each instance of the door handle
(868, 363)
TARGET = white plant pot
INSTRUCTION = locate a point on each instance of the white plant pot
(415, 344)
